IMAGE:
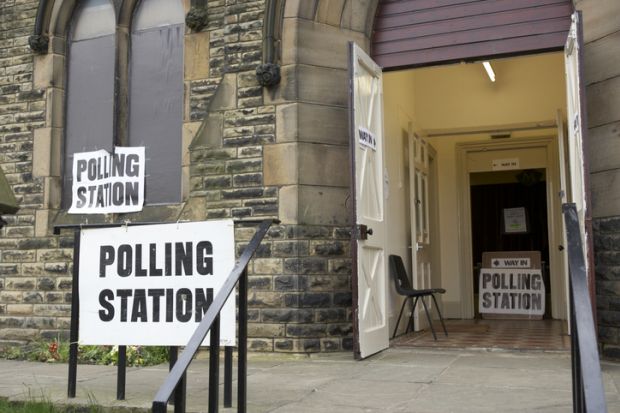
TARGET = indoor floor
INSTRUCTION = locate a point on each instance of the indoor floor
(540, 335)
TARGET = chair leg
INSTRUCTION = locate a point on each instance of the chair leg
(399, 316)
(410, 323)
(428, 317)
(440, 317)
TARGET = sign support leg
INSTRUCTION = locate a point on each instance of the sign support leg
(228, 361)
(75, 314)
(121, 371)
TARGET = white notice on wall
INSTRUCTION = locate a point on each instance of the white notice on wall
(511, 291)
(367, 138)
(106, 182)
(515, 220)
(505, 164)
(152, 284)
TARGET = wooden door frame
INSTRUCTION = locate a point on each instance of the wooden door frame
(549, 143)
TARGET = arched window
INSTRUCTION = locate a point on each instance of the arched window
(90, 84)
(95, 117)
(156, 95)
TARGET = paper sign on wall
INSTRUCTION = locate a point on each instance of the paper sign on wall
(515, 220)
(367, 138)
(505, 164)
(106, 182)
(152, 284)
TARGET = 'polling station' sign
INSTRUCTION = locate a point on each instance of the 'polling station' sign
(152, 284)
(512, 291)
(106, 182)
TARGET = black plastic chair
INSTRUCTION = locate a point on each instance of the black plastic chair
(403, 287)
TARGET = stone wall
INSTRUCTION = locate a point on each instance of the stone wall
(602, 80)
(300, 295)
(35, 282)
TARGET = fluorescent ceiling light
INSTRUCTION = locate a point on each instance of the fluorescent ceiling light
(489, 69)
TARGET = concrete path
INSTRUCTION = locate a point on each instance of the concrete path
(396, 380)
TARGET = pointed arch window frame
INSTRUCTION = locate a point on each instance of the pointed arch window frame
(56, 18)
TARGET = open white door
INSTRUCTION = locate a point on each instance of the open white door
(577, 129)
(369, 263)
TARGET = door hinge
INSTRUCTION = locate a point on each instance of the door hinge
(362, 232)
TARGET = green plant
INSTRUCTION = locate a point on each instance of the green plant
(34, 406)
(58, 351)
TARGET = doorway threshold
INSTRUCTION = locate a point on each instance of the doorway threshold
(512, 335)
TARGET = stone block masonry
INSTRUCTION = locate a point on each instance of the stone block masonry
(607, 269)
(300, 294)
(34, 272)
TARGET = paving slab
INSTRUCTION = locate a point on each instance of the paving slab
(395, 381)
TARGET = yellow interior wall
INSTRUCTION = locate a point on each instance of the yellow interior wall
(398, 110)
(528, 89)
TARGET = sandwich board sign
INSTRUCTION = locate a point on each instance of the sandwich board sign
(511, 284)
(152, 284)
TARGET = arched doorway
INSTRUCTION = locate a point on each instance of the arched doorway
(313, 56)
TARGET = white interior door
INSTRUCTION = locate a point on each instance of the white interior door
(559, 284)
(367, 157)
(577, 129)
(421, 256)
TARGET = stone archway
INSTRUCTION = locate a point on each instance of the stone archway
(354, 15)
(311, 108)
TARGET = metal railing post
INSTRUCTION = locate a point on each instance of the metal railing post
(228, 373)
(242, 367)
(179, 393)
(588, 391)
(214, 366)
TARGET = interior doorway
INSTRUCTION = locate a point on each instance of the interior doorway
(492, 195)
(467, 123)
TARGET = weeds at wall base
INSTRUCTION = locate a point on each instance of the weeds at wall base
(58, 351)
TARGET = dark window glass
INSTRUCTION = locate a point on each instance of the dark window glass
(90, 84)
(156, 95)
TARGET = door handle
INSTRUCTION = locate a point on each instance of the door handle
(418, 246)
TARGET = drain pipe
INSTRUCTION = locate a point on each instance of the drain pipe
(268, 73)
(39, 41)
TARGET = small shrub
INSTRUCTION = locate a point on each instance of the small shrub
(58, 351)
(34, 406)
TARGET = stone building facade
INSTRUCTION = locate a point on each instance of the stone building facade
(602, 80)
(300, 295)
(249, 151)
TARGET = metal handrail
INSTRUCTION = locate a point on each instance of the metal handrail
(211, 322)
(588, 391)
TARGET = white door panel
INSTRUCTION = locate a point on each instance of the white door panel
(421, 255)
(367, 157)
